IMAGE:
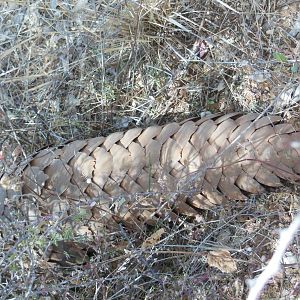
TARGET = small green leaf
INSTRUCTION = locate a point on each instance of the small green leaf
(211, 101)
(280, 57)
(67, 233)
(294, 68)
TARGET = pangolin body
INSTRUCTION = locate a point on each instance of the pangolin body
(192, 165)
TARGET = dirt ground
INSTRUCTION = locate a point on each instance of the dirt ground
(78, 69)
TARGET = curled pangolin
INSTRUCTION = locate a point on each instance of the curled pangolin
(138, 176)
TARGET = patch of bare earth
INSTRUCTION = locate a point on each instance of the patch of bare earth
(78, 69)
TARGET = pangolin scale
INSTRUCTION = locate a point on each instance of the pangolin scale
(134, 177)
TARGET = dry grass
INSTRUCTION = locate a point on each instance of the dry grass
(80, 69)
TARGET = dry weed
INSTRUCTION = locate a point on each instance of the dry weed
(77, 69)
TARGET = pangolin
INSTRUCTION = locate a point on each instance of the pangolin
(96, 186)
(137, 176)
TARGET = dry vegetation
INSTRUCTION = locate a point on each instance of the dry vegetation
(77, 69)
